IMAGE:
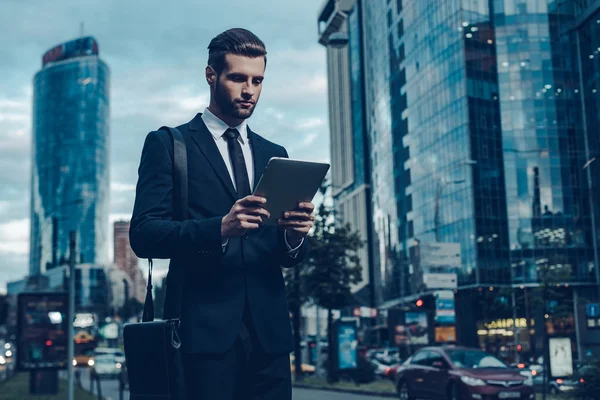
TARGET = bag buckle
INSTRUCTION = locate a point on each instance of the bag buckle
(175, 339)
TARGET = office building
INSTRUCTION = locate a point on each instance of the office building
(481, 116)
(70, 155)
(127, 261)
(350, 177)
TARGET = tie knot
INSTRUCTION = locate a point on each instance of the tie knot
(231, 133)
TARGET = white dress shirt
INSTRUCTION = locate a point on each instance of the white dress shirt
(217, 129)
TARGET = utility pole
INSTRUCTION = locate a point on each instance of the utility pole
(70, 317)
(318, 371)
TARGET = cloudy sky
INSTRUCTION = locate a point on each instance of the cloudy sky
(156, 54)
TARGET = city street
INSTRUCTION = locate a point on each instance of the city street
(110, 390)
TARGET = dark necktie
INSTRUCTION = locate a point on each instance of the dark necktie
(240, 173)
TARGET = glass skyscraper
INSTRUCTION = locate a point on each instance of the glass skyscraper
(483, 126)
(70, 154)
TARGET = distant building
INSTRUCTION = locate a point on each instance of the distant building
(340, 32)
(70, 172)
(127, 261)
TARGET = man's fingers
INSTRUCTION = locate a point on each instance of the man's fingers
(250, 218)
(306, 206)
(298, 215)
(249, 225)
(252, 200)
(256, 211)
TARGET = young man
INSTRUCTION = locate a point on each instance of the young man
(235, 326)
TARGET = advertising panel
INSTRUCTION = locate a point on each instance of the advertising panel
(416, 324)
(42, 331)
(561, 357)
(347, 345)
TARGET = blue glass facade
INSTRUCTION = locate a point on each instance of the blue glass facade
(474, 111)
(70, 173)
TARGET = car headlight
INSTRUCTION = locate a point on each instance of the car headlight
(529, 379)
(91, 362)
(2, 360)
(118, 365)
(472, 381)
(8, 353)
(74, 362)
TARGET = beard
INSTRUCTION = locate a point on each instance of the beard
(232, 107)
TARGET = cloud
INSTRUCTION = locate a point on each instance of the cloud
(156, 78)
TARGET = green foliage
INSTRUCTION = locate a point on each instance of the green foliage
(332, 265)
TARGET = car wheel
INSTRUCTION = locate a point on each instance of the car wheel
(453, 392)
(403, 392)
(553, 390)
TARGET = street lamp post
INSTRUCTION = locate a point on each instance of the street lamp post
(71, 316)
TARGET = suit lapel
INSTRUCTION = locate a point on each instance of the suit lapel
(260, 155)
(206, 143)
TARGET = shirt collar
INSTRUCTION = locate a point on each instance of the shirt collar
(217, 127)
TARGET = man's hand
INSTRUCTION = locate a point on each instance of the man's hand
(246, 214)
(297, 223)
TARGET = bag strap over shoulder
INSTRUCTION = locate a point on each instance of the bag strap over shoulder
(180, 213)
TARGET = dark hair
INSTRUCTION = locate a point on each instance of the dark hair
(237, 41)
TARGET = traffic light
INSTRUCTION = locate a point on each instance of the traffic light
(419, 303)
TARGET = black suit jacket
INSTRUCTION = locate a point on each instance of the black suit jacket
(215, 282)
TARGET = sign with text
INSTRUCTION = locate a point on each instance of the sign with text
(42, 330)
(440, 280)
(436, 255)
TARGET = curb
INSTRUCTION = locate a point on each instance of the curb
(342, 390)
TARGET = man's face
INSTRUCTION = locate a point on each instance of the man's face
(238, 87)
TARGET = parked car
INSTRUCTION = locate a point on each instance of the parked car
(106, 366)
(565, 384)
(382, 369)
(459, 373)
(306, 368)
(117, 353)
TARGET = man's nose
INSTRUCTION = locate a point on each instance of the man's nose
(248, 89)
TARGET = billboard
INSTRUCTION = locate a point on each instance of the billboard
(416, 326)
(42, 330)
(561, 357)
(74, 48)
(437, 255)
(445, 334)
(444, 307)
(347, 345)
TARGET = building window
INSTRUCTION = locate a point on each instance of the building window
(389, 18)
(399, 6)
(400, 29)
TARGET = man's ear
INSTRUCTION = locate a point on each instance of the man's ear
(211, 75)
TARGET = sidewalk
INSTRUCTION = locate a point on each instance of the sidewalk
(17, 388)
(380, 388)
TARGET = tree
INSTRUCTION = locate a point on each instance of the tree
(332, 265)
(296, 297)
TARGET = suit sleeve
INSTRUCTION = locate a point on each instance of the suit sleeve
(153, 233)
(287, 259)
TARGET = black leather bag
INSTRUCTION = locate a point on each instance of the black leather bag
(153, 348)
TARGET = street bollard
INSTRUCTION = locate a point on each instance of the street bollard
(121, 387)
(99, 388)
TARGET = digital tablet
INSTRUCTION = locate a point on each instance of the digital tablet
(285, 183)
